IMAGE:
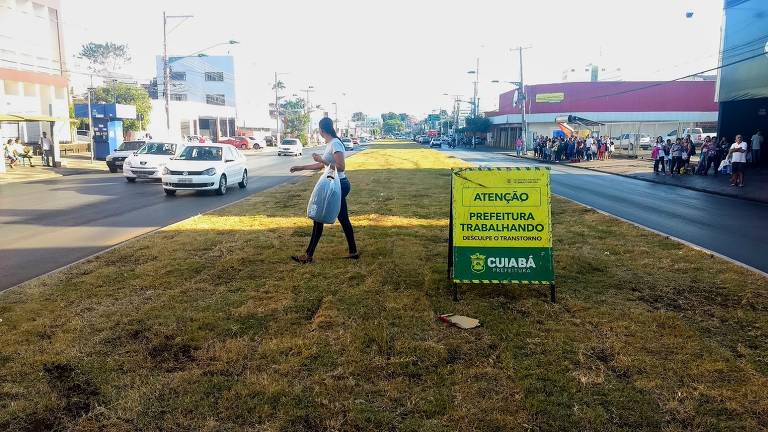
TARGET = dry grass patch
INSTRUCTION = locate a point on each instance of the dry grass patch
(211, 327)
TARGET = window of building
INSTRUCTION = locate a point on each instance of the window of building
(61, 93)
(178, 76)
(181, 97)
(30, 89)
(11, 88)
(214, 99)
(214, 76)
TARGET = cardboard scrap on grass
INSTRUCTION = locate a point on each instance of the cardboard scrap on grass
(459, 321)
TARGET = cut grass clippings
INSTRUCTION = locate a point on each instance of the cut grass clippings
(207, 325)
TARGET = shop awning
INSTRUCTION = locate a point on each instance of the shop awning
(30, 118)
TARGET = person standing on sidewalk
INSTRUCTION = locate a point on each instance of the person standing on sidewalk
(658, 156)
(519, 146)
(332, 158)
(757, 143)
(738, 155)
(677, 156)
(47, 146)
(703, 155)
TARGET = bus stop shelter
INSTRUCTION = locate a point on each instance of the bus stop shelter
(29, 118)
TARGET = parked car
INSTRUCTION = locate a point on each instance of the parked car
(148, 162)
(627, 141)
(355, 141)
(697, 134)
(82, 137)
(240, 142)
(349, 145)
(117, 158)
(436, 142)
(290, 147)
(205, 167)
(255, 142)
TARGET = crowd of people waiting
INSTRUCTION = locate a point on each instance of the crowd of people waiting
(573, 149)
(719, 156)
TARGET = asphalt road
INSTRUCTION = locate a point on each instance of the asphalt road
(48, 224)
(730, 227)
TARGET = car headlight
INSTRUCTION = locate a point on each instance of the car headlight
(166, 171)
(209, 172)
(127, 163)
(109, 158)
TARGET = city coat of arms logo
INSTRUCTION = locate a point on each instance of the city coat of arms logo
(478, 263)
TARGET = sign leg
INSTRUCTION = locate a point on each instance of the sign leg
(552, 297)
(455, 291)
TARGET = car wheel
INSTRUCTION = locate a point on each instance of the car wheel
(222, 185)
(170, 192)
(113, 169)
(131, 179)
(244, 182)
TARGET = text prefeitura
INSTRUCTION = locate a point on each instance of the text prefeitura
(500, 227)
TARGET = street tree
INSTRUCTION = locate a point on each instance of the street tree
(129, 95)
(295, 119)
(392, 126)
(389, 116)
(105, 57)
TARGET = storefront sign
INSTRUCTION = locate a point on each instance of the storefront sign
(550, 97)
(501, 230)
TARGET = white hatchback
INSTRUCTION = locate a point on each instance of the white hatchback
(148, 162)
(206, 167)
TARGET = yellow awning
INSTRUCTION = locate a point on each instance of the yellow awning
(45, 118)
(30, 118)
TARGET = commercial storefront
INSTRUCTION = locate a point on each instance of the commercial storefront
(640, 107)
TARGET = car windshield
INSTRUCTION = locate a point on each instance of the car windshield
(158, 149)
(346, 140)
(290, 142)
(130, 145)
(201, 153)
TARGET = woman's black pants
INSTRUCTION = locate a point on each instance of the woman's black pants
(346, 225)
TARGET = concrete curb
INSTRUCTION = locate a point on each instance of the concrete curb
(649, 180)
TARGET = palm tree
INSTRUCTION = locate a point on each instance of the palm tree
(279, 85)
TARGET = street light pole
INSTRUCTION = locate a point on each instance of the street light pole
(525, 99)
(308, 110)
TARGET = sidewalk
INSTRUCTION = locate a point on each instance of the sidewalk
(79, 163)
(755, 179)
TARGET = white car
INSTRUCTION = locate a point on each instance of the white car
(349, 145)
(255, 142)
(149, 160)
(205, 167)
(290, 147)
(116, 159)
(627, 141)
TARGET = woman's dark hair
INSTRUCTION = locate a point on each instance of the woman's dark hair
(326, 125)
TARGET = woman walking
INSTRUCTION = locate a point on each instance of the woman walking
(332, 158)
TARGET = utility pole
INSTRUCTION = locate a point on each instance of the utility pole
(277, 110)
(308, 109)
(90, 117)
(167, 70)
(525, 98)
(166, 76)
(477, 81)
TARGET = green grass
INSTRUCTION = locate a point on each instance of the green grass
(211, 327)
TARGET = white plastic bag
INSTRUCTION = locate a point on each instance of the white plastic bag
(325, 201)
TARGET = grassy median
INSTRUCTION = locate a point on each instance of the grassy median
(207, 325)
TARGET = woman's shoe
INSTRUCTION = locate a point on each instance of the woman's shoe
(303, 259)
(353, 256)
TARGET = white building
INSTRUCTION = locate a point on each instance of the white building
(202, 93)
(33, 78)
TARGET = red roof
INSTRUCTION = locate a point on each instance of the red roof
(615, 96)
